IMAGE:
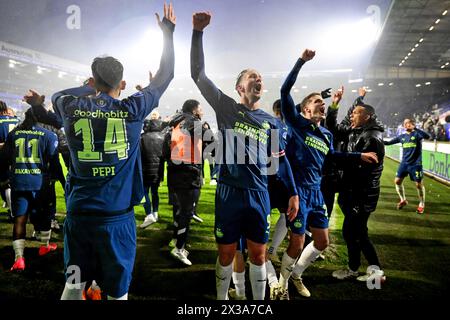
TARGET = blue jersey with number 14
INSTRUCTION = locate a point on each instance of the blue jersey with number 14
(103, 135)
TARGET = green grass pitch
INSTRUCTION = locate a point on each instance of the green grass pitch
(414, 251)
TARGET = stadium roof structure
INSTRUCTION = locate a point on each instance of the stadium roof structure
(29, 56)
(406, 68)
(411, 62)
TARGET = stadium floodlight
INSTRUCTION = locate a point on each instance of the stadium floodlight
(427, 83)
(443, 66)
(364, 32)
(381, 84)
(447, 63)
(431, 28)
(409, 53)
(413, 49)
(437, 21)
(418, 85)
(148, 48)
(444, 13)
(355, 80)
(354, 90)
(416, 45)
(421, 39)
(13, 63)
(391, 84)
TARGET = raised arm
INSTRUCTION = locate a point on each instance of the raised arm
(208, 89)
(165, 74)
(287, 102)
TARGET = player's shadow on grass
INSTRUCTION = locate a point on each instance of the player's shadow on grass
(173, 284)
(409, 219)
(49, 267)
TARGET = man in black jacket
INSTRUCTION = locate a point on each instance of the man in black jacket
(183, 151)
(360, 191)
(152, 167)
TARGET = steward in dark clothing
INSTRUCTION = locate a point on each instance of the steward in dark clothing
(183, 146)
(360, 191)
(152, 164)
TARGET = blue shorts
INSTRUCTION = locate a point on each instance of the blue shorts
(312, 211)
(33, 204)
(415, 171)
(103, 248)
(24, 203)
(241, 212)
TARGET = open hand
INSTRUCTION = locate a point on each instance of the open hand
(169, 14)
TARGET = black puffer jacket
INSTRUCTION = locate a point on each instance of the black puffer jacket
(361, 183)
(151, 153)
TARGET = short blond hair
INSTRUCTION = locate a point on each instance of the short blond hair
(154, 115)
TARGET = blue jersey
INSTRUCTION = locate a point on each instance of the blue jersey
(412, 146)
(7, 124)
(245, 152)
(309, 144)
(307, 150)
(30, 153)
(103, 136)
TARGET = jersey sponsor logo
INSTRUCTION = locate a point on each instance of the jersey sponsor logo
(409, 145)
(413, 138)
(252, 132)
(317, 144)
(98, 114)
(31, 132)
